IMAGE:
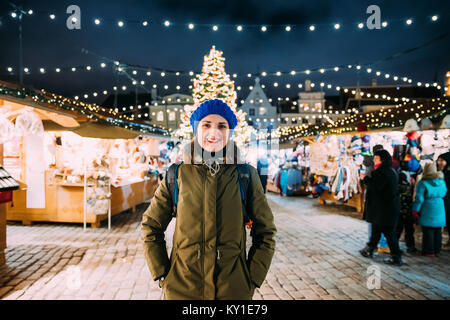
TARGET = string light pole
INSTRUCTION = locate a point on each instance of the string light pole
(19, 13)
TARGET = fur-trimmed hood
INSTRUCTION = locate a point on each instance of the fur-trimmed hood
(191, 153)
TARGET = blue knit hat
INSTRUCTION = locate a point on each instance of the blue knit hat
(214, 106)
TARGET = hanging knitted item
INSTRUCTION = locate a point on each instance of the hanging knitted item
(445, 122)
(356, 145)
(413, 165)
(29, 123)
(366, 145)
(427, 144)
(412, 145)
(412, 151)
(7, 130)
(342, 148)
(411, 126)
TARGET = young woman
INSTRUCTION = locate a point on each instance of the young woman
(208, 259)
(429, 206)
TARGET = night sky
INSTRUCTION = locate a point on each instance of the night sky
(48, 43)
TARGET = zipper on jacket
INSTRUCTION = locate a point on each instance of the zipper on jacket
(198, 254)
(218, 254)
(202, 262)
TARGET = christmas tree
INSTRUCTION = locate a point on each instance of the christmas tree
(214, 83)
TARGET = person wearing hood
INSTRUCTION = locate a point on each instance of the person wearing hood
(383, 206)
(262, 167)
(429, 209)
(406, 219)
(443, 165)
(208, 260)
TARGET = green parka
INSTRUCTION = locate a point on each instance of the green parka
(208, 258)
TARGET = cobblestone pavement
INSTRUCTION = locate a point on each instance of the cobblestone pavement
(316, 258)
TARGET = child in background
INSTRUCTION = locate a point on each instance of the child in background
(429, 206)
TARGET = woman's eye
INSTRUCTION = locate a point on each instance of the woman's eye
(206, 125)
(222, 126)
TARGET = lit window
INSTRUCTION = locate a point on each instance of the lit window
(160, 116)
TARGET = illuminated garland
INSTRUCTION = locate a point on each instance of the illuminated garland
(168, 24)
(384, 118)
(79, 107)
(149, 71)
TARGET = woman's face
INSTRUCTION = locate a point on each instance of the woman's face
(213, 132)
(441, 163)
(376, 160)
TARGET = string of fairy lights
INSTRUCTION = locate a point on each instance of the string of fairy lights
(168, 24)
(392, 117)
(322, 85)
(149, 71)
(116, 116)
(121, 68)
(91, 111)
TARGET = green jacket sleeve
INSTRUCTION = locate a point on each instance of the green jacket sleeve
(154, 223)
(263, 230)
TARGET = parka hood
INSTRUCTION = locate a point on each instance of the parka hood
(192, 154)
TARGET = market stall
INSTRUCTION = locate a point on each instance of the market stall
(81, 176)
(289, 169)
(337, 169)
(7, 185)
(72, 177)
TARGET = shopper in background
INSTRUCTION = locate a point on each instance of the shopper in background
(443, 164)
(383, 206)
(368, 164)
(262, 167)
(209, 259)
(406, 219)
(429, 209)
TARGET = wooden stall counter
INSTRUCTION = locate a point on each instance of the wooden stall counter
(64, 202)
(357, 201)
(2, 232)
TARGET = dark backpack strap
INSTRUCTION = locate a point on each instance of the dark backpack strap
(244, 182)
(172, 184)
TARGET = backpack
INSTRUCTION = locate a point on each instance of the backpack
(243, 180)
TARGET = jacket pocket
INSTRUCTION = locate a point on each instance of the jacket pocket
(172, 266)
(246, 272)
(232, 277)
(184, 279)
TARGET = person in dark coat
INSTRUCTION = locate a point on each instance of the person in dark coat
(263, 171)
(443, 164)
(368, 163)
(406, 220)
(383, 206)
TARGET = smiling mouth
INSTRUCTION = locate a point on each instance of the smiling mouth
(212, 141)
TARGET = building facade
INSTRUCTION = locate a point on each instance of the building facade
(310, 107)
(166, 111)
(261, 114)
